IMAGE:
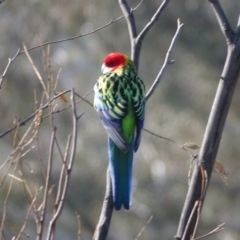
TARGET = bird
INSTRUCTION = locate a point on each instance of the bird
(120, 101)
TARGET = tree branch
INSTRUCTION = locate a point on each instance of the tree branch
(106, 213)
(46, 187)
(212, 137)
(214, 231)
(22, 123)
(80, 35)
(71, 38)
(128, 14)
(138, 41)
(153, 20)
(167, 61)
(68, 169)
(74, 37)
(10, 60)
(223, 21)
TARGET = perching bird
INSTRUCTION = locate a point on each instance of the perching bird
(120, 102)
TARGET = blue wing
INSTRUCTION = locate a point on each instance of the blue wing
(111, 121)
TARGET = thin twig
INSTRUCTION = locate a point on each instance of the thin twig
(189, 220)
(53, 42)
(46, 188)
(62, 176)
(82, 98)
(69, 167)
(214, 231)
(18, 147)
(60, 41)
(223, 21)
(138, 41)
(198, 218)
(144, 227)
(153, 20)
(169, 140)
(79, 35)
(78, 225)
(22, 123)
(57, 78)
(20, 233)
(10, 60)
(4, 211)
(74, 37)
(34, 68)
(167, 61)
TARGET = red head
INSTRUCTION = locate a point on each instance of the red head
(113, 61)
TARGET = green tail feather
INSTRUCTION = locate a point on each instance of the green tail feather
(121, 174)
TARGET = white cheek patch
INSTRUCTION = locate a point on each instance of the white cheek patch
(105, 69)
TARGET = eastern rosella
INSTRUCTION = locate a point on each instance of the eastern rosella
(120, 102)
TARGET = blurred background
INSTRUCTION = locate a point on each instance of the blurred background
(178, 110)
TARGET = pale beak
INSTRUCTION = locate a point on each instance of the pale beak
(105, 69)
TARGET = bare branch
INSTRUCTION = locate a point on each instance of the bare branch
(22, 123)
(140, 3)
(167, 61)
(214, 231)
(83, 98)
(61, 177)
(153, 20)
(61, 201)
(10, 60)
(106, 214)
(78, 225)
(79, 35)
(34, 68)
(128, 14)
(26, 218)
(223, 21)
(56, 42)
(138, 41)
(46, 188)
(212, 136)
(144, 227)
(4, 210)
(74, 37)
(169, 140)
